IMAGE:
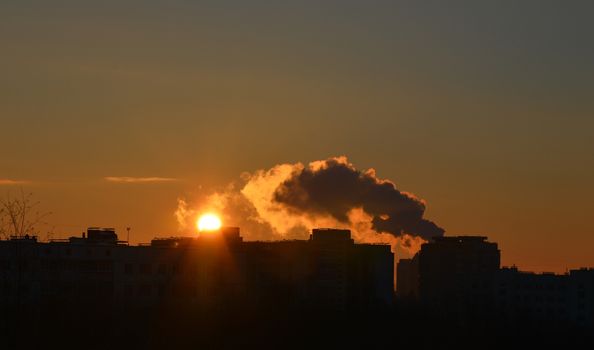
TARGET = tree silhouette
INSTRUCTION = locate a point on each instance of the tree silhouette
(19, 215)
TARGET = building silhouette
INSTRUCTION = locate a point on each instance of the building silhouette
(460, 279)
(216, 270)
(218, 289)
(545, 298)
(407, 274)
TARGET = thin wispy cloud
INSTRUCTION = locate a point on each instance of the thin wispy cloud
(9, 182)
(129, 179)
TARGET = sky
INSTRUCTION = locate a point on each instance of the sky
(484, 109)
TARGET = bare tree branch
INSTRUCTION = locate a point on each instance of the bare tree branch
(18, 216)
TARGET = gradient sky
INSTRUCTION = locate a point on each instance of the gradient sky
(483, 109)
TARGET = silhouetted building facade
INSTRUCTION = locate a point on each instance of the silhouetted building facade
(215, 270)
(546, 298)
(581, 297)
(453, 276)
(530, 297)
(460, 278)
(456, 275)
(407, 278)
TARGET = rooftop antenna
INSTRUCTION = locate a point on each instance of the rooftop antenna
(128, 239)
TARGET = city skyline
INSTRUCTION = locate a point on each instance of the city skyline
(200, 205)
(111, 112)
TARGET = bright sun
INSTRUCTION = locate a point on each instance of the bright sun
(208, 222)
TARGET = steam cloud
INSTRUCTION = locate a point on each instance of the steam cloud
(334, 187)
(288, 200)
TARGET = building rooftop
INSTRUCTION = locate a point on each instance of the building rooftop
(460, 239)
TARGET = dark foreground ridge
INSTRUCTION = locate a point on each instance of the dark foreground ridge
(217, 291)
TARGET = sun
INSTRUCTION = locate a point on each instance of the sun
(208, 222)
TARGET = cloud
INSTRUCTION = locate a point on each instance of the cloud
(334, 187)
(288, 200)
(128, 179)
(9, 182)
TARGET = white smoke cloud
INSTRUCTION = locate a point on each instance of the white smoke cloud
(251, 203)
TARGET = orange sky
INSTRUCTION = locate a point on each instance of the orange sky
(484, 111)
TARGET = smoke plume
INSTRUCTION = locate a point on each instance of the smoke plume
(288, 200)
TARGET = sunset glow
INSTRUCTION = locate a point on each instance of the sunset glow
(297, 174)
(208, 222)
